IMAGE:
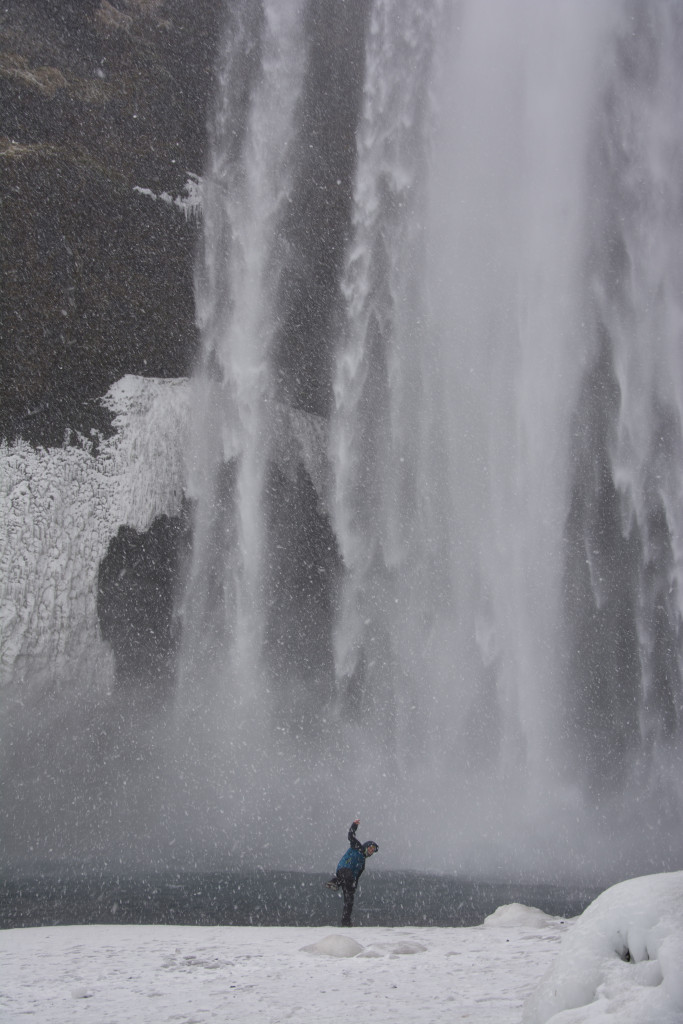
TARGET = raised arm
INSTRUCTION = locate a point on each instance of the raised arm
(353, 842)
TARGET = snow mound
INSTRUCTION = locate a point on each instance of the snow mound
(516, 915)
(621, 960)
(81, 992)
(402, 948)
(335, 945)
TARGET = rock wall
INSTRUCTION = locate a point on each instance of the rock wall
(102, 111)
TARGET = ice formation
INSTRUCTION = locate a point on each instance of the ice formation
(59, 509)
(621, 960)
(190, 204)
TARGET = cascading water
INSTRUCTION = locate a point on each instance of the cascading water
(248, 186)
(256, 668)
(622, 600)
(455, 387)
(501, 510)
(383, 426)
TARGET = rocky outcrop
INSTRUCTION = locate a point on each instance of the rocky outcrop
(102, 109)
(91, 546)
(59, 511)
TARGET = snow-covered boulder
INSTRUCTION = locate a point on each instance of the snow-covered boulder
(335, 945)
(621, 960)
(516, 915)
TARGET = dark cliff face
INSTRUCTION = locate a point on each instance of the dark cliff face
(96, 278)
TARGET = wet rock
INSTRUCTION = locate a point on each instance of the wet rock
(97, 102)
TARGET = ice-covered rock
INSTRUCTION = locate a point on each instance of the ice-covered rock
(59, 509)
(621, 959)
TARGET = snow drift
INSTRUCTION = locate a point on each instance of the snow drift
(621, 960)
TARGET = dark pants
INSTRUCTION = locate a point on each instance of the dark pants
(347, 883)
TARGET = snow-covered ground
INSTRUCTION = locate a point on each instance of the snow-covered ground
(619, 962)
(156, 974)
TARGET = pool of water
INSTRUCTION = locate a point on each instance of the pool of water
(385, 898)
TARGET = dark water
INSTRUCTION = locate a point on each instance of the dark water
(385, 898)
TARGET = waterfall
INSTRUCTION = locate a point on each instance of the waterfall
(248, 187)
(256, 673)
(622, 600)
(498, 377)
(456, 378)
(382, 425)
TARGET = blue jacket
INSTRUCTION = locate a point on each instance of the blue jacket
(354, 858)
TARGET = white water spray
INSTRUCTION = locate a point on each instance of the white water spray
(248, 187)
(463, 384)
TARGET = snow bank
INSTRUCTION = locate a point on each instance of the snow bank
(620, 961)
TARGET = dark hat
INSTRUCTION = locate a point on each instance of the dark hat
(370, 842)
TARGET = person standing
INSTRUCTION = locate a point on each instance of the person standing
(349, 870)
